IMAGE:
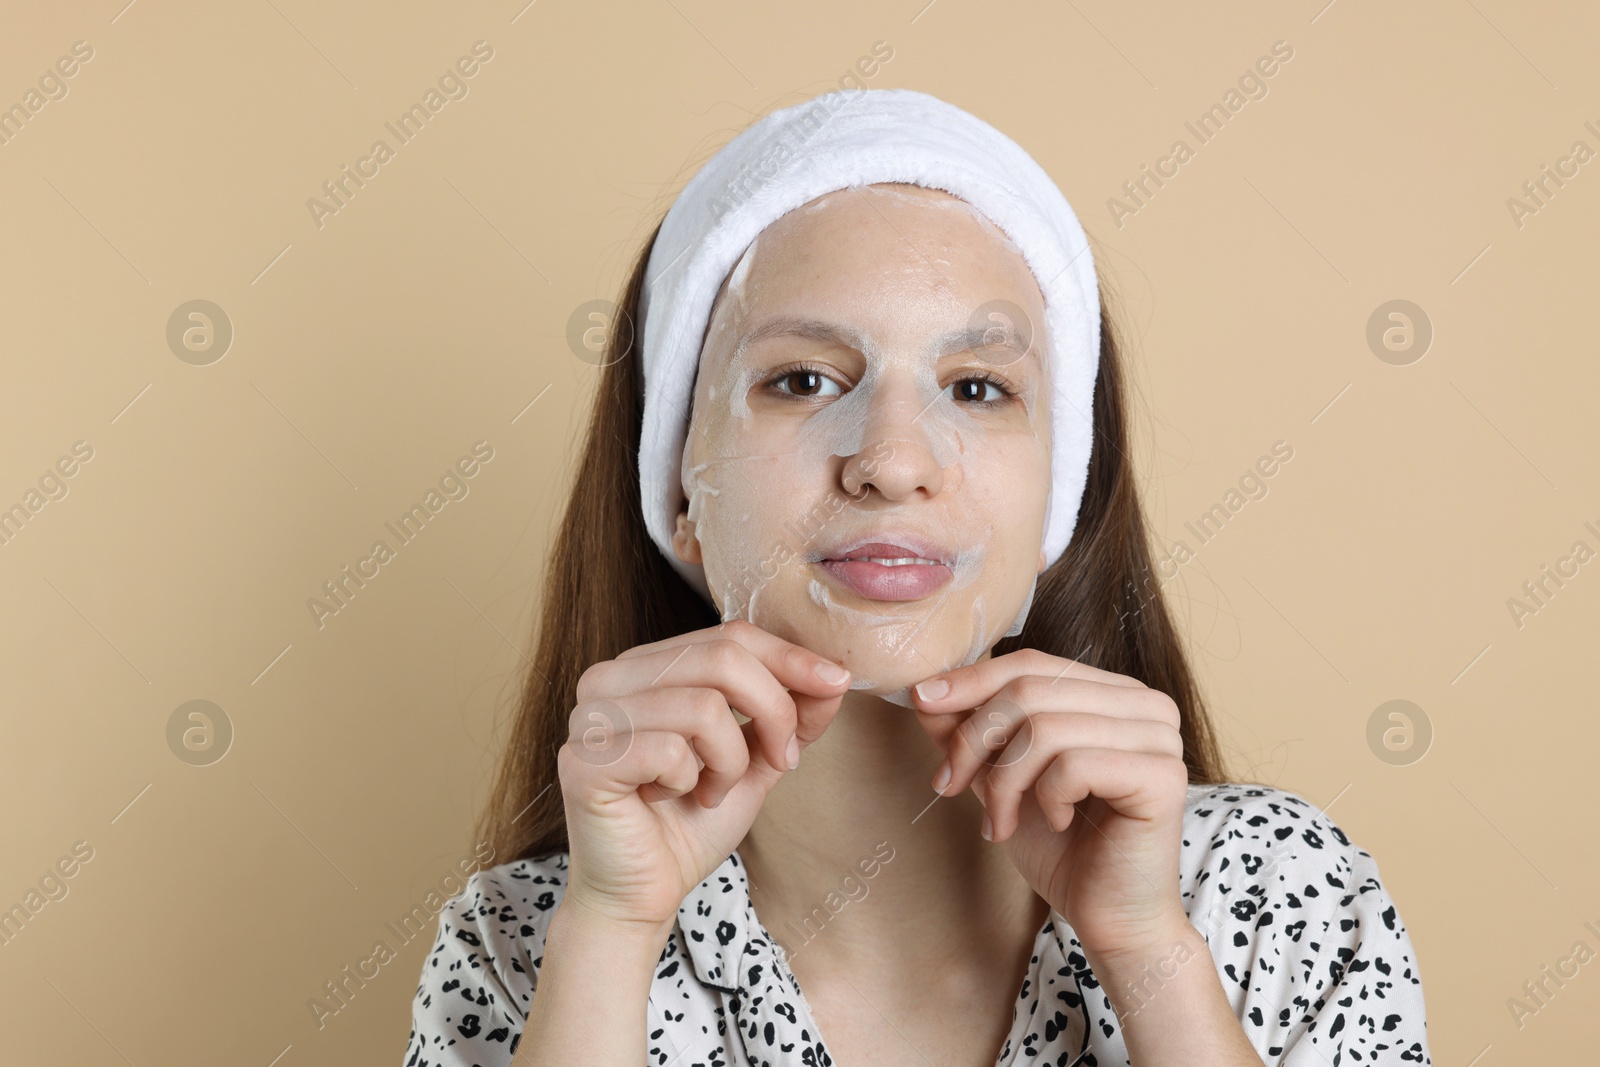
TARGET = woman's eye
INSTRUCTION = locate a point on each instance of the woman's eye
(808, 383)
(977, 390)
(811, 384)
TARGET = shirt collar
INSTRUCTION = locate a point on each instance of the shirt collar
(720, 929)
(728, 948)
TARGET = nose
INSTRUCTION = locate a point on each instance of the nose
(897, 457)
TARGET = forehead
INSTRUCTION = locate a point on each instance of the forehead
(875, 261)
(897, 229)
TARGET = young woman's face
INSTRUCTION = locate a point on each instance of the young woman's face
(868, 461)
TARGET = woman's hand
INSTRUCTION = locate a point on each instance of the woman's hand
(1082, 775)
(661, 782)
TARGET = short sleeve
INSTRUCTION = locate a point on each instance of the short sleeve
(1309, 945)
(479, 979)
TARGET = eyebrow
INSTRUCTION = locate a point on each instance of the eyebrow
(948, 343)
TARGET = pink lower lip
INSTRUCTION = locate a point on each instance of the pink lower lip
(912, 581)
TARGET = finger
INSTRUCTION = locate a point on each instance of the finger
(604, 728)
(813, 716)
(1133, 784)
(721, 664)
(1044, 738)
(967, 687)
(661, 761)
(795, 667)
(991, 727)
(678, 769)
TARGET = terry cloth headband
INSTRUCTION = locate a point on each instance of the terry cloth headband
(841, 139)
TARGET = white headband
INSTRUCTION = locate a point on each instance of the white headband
(855, 137)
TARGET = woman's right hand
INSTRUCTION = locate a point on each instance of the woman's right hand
(647, 820)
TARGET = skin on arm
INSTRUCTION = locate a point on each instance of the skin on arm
(1188, 1020)
(593, 993)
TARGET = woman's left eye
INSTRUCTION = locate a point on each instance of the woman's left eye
(977, 390)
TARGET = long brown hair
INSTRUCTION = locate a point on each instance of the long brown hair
(608, 588)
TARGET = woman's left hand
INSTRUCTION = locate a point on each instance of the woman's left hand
(1081, 772)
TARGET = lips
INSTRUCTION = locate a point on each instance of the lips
(905, 568)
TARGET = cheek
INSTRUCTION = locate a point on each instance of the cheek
(1001, 503)
(747, 502)
(1006, 476)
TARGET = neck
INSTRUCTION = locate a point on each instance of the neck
(854, 847)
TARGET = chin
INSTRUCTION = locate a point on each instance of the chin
(886, 653)
(892, 679)
(877, 656)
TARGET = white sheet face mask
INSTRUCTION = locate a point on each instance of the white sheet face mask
(922, 423)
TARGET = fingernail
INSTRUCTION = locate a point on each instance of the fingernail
(933, 689)
(794, 752)
(831, 673)
(942, 779)
(988, 828)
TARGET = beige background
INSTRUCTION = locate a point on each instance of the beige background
(370, 353)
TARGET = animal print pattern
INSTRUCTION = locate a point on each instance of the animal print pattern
(1309, 947)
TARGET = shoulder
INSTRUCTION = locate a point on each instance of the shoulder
(1224, 798)
(1262, 864)
(479, 979)
(1308, 942)
(544, 874)
(509, 903)
(499, 920)
(1251, 850)
(1234, 816)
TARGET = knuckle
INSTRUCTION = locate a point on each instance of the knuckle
(574, 767)
(1069, 761)
(1028, 691)
(707, 706)
(986, 733)
(734, 629)
(782, 712)
(731, 755)
(1038, 660)
(591, 680)
(581, 717)
(794, 658)
(569, 770)
(1167, 708)
(1172, 740)
(1051, 791)
(680, 748)
(723, 654)
(1178, 772)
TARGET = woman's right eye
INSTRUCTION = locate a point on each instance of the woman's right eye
(807, 383)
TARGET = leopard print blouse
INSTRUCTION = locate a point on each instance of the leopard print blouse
(1307, 942)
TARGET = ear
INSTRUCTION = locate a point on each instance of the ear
(1042, 562)
(685, 545)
